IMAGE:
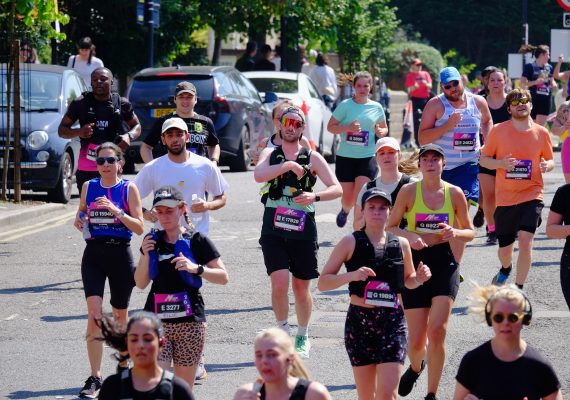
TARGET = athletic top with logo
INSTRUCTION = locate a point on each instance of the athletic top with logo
(359, 144)
(107, 117)
(102, 223)
(422, 219)
(201, 129)
(532, 72)
(282, 216)
(387, 263)
(299, 391)
(461, 144)
(170, 297)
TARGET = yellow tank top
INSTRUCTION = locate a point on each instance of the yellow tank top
(422, 219)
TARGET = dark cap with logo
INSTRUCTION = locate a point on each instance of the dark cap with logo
(185, 87)
(431, 147)
(375, 192)
(167, 196)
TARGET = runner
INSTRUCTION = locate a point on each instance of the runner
(175, 260)
(143, 341)
(497, 101)
(505, 367)
(378, 266)
(394, 173)
(560, 127)
(108, 214)
(562, 76)
(557, 227)
(203, 138)
(432, 207)
(453, 120)
(282, 373)
(191, 174)
(101, 115)
(358, 121)
(289, 231)
(538, 78)
(523, 152)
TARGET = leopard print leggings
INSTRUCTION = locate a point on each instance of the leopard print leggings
(184, 343)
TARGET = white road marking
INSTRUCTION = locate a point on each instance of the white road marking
(39, 227)
(11, 317)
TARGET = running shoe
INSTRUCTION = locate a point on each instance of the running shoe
(500, 279)
(302, 346)
(92, 387)
(408, 380)
(341, 218)
(430, 396)
(491, 239)
(201, 372)
(479, 218)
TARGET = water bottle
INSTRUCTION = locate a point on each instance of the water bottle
(196, 217)
(85, 229)
(153, 258)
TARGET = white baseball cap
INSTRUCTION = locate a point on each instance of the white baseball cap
(387, 141)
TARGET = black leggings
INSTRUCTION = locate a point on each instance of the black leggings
(565, 276)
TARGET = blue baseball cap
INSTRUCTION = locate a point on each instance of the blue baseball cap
(449, 74)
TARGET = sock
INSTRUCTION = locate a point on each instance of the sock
(491, 228)
(284, 325)
(507, 270)
(519, 286)
(302, 330)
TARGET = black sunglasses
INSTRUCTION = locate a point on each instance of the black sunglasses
(110, 160)
(451, 84)
(512, 318)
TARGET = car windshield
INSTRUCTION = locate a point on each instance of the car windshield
(277, 85)
(39, 91)
(152, 89)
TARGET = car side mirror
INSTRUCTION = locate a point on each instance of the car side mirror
(270, 97)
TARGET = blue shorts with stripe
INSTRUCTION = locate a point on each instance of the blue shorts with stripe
(465, 176)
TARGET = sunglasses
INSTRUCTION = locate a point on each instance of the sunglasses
(110, 160)
(451, 84)
(295, 123)
(512, 318)
(522, 100)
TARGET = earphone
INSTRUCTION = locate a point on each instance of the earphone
(527, 311)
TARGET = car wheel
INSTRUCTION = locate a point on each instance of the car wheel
(241, 162)
(61, 193)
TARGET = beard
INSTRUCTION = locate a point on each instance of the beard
(456, 97)
(175, 152)
(520, 115)
(289, 138)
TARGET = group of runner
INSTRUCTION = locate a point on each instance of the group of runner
(402, 260)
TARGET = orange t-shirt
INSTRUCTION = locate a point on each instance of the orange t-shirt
(524, 183)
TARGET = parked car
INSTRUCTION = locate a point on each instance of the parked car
(239, 115)
(299, 88)
(48, 162)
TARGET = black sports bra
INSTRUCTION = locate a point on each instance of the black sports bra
(298, 393)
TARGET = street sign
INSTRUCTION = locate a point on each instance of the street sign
(565, 4)
(566, 20)
(153, 12)
(140, 12)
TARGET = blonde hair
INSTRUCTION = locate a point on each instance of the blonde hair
(560, 112)
(297, 369)
(483, 298)
(410, 165)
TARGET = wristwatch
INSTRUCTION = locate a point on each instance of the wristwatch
(200, 270)
(121, 214)
(317, 197)
(131, 135)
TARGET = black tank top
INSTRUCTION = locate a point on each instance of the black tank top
(299, 392)
(500, 114)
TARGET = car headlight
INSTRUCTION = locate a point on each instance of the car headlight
(37, 139)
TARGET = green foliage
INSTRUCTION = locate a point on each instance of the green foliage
(397, 58)
(454, 59)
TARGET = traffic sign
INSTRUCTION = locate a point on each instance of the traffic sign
(565, 4)
(566, 20)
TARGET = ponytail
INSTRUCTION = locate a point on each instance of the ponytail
(410, 166)
(535, 50)
(188, 221)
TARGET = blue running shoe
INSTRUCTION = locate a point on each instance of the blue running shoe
(500, 279)
(341, 218)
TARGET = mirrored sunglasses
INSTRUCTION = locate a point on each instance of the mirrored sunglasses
(522, 100)
(295, 123)
(512, 318)
(101, 160)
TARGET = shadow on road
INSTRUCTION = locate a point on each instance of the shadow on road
(62, 318)
(24, 394)
(229, 367)
(335, 388)
(236, 311)
(52, 287)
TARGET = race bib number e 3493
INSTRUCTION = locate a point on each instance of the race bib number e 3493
(290, 219)
(357, 138)
(378, 293)
(175, 305)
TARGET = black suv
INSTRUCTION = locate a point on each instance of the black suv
(232, 102)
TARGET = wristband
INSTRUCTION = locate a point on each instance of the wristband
(417, 281)
(121, 214)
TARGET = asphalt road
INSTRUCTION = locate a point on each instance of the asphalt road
(43, 312)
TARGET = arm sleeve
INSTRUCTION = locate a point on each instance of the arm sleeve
(548, 381)
(212, 139)
(70, 61)
(340, 112)
(381, 114)
(127, 111)
(74, 109)
(203, 248)
(409, 80)
(143, 181)
(547, 153)
(560, 200)
(465, 373)
(428, 77)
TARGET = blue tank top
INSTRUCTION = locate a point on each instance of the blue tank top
(460, 144)
(102, 223)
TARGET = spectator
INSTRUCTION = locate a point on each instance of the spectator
(418, 84)
(277, 58)
(264, 63)
(85, 62)
(28, 53)
(324, 78)
(247, 62)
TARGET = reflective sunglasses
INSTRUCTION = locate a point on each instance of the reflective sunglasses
(512, 318)
(110, 160)
(451, 84)
(295, 123)
(522, 100)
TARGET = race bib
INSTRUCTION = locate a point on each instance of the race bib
(176, 305)
(464, 140)
(378, 293)
(101, 216)
(543, 89)
(357, 138)
(429, 223)
(91, 151)
(289, 219)
(522, 170)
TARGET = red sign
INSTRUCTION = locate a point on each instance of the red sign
(565, 4)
